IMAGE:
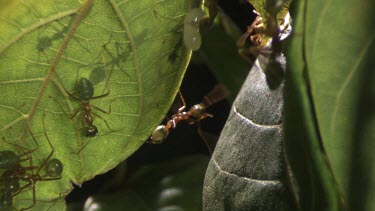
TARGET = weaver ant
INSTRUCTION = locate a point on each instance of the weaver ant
(267, 27)
(13, 172)
(194, 114)
(272, 50)
(84, 93)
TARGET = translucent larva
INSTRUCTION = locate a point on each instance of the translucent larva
(192, 37)
(194, 16)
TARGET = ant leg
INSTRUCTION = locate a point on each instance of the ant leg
(32, 135)
(82, 148)
(50, 179)
(242, 40)
(52, 149)
(66, 114)
(205, 115)
(256, 39)
(209, 139)
(22, 189)
(103, 120)
(182, 101)
(100, 96)
(103, 111)
(60, 86)
(34, 198)
(26, 153)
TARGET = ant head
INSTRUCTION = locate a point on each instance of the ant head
(8, 159)
(91, 131)
(159, 134)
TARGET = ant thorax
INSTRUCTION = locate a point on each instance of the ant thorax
(196, 112)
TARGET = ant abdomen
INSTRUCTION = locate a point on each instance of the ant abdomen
(196, 112)
(8, 159)
(85, 89)
(6, 198)
(54, 168)
(91, 131)
(12, 184)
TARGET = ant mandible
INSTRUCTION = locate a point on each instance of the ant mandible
(194, 114)
(14, 172)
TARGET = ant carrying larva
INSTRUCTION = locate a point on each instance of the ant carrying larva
(196, 113)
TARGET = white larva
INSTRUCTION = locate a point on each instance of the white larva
(192, 37)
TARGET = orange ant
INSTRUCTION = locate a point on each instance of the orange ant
(194, 114)
(257, 31)
(256, 39)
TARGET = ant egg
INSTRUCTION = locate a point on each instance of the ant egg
(192, 37)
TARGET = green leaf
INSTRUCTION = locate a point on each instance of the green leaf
(314, 183)
(173, 185)
(334, 57)
(326, 69)
(133, 49)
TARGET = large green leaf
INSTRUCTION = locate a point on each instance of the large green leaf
(325, 76)
(313, 183)
(334, 58)
(46, 46)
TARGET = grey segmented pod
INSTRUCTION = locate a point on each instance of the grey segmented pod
(192, 37)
